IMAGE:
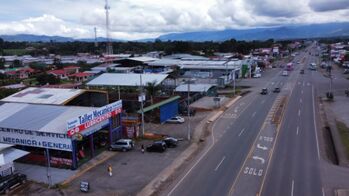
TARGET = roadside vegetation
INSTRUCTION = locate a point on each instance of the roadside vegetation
(344, 134)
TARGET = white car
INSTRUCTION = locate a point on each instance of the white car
(284, 73)
(176, 119)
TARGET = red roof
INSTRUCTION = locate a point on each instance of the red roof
(79, 75)
(11, 72)
(57, 72)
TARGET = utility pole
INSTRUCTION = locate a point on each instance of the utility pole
(141, 98)
(48, 173)
(188, 108)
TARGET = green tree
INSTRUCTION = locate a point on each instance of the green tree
(2, 63)
(152, 89)
(17, 63)
(47, 79)
(1, 46)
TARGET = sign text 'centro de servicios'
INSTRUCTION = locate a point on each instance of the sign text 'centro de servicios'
(94, 117)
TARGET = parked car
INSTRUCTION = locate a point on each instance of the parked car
(122, 145)
(157, 146)
(171, 142)
(176, 119)
(284, 73)
(9, 182)
(301, 71)
(264, 91)
(346, 71)
(276, 90)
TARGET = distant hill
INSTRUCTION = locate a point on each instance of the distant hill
(45, 38)
(35, 38)
(283, 32)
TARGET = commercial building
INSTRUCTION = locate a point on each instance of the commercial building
(68, 136)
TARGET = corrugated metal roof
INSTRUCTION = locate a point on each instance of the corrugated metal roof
(130, 79)
(55, 96)
(159, 104)
(11, 154)
(194, 88)
(42, 118)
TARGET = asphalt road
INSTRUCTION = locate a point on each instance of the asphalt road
(295, 165)
(234, 133)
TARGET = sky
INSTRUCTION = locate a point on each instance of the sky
(139, 19)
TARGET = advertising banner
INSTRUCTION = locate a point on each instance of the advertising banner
(35, 139)
(84, 121)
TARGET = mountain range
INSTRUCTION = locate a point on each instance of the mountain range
(277, 33)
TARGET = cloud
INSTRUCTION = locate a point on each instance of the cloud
(277, 8)
(137, 19)
(43, 25)
(325, 5)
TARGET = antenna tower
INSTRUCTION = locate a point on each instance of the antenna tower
(109, 49)
(96, 43)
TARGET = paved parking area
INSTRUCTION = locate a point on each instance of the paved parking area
(131, 170)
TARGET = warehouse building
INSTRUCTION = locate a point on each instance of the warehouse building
(68, 136)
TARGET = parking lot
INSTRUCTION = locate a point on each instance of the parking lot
(131, 170)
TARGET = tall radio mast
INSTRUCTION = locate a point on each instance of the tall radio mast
(109, 48)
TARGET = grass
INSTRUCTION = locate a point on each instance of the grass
(344, 134)
(17, 52)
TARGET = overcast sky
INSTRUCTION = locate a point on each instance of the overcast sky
(138, 19)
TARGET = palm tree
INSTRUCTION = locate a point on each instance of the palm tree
(152, 89)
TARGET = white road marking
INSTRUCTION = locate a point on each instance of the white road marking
(254, 114)
(241, 132)
(302, 92)
(315, 128)
(299, 112)
(292, 189)
(262, 147)
(323, 191)
(258, 158)
(297, 130)
(219, 164)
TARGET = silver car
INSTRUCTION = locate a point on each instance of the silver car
(122, 145)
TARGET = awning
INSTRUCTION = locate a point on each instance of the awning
(157, 105)
(10, 154)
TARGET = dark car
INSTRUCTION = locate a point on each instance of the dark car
(9, 182)
(264, 91)
(171, 142)
(276, 90)
(157, 146)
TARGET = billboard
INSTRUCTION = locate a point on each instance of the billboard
(55, 141)
(84, 121)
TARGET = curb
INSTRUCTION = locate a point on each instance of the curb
(167, 173)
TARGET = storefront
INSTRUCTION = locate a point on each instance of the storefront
(67, 136)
